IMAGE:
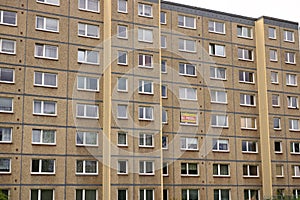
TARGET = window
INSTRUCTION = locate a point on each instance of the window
(42, 166)
(41, 136)
(7, 75)
(163, 41)
(186, 45)
(146, 194)
(46, 51)
(145, 35)
(88, 167)
(296, 193)
(122, 84)
(122, 194)
(5, 194)
(47, 24)
(164, 142)
(190, 194)
(145, 113)
(294, 125)
(290, 57)
(122, 112)
(247, 100)
(295, 147)
(164, 117)
(87, 111)
(221, 170)
(165, 169)
(246, 77)
(87, 83)
(5, 165)
(41, 194)
(145, 87)
(248, 122)
(85, 194)
(187, 69)
(122, 6)
(52, 2)
(218, 96)
(122, 57)
(288, 36)
(188, 143)
(217, 50)
(245, 32)
(164, 91)
(220, 145)
(89, 5)
(146, 140)
(272, 33)
(279, 171)
(245, 54)
(6, 105)
(145, 61)
(8, 17)
(122, 31)
(87, 56)
(45, 79)
(88, 30)
(278, 147)
(218, 73)
(249, 147)
(216, 27)
(273, 55)
(84, 138)
(276, 123)
(122, 167)
(219, 121)
(292, 102)
(251, 194)
(146, 167)
(223, 194)
(188, 93)
(250, 170)
(163, 66)
(186, 22)
(5, 135)
(274, 77)
(163, 17)
(44, 107)
(275, 100)
(189, 169)
(296, 171)
(188, 118)
(291, 79)
(122, 139)
(145, 10)
(7, 46)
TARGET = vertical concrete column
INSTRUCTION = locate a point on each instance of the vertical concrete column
(265, 148)
(106, 182)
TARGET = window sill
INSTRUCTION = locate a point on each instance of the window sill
(87, 63)
(189, 175)
(46, 115)
(249, 129)
(252, 177)
(6, 112)
(222, 103)
(86, 145)
(187, 51)
(42, 174)
(90, 37)
(249, 152)
(244, 37)
(146, 16)
(46, 58)
(50, 4)
(290, 63)
(79, 117)
(7, 142)
(246, 105)
(86, 90)
(5, 24)
(186, 27)
(221, 176)
(45, 86)
(147, 174)
(215, 32)
(122, 174)
(122, 145)
(122, 12)
(13, 54)
(44, 144)
(245, 82)
(247, 60)
(7, 82)
(215, 126)
(45, 30)
(143, 66)
(218, 56)
(87, 10)
(82, 174)
(218, 79)
(185, 124)
(220, 151)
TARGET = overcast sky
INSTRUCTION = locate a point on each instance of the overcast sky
(282, 9)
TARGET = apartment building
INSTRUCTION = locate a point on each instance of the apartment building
(146, 100)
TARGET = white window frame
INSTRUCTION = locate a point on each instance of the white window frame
(274, 31)
(144, 117)
(145, 193)
(293, 147)
(43, 79)
(218, 125)
(126, 111)
(85, 111)
(292, 126)
(245, 97)
(282, 170)
(217, 94)
(12, 105)
(164, 117)
(126, 6)
(6, 172)
(218, 142)
(123, 189)
(184, 20)
(144, 60)
(187, 169)
(86, 28)
(84, 139)
(163, 41)
(2, 18)
(249, 191)
(245, 73)
(217, 74)
(7, 52)
(47, 2)
(44, 46)
(86, 6)
(84, 167)
(163, 66)
(119, 172)
(40, 193)
(184, 92)
(244, 53)
(244, 31)
(86, 52)
(285, 34)
(120, 54)
(7, 69)
(142, 84)
(165, 166)
(279, 123)
(248, 175)
(42, 108)
(220, 193)
(84, 193)
(126, 139)
(287, 59)
(161, 18)
(290, 100)
(85, 80)
(296, 173)
(184, 42)
(142, 10)
(143, 171)
(40, 167)
(247, 123)
(5, 136)
(274, 77)
(143, 138)
(42, 132)
(166, 140)
(186, 144)
(185, 65)
(280, 145)
(142, 35)
(188, 193)
(271, 53)
(290, 81)
(214, 30)
(277, 100)
(247, 143)
(164, 91)
(214, 52)
(219, 170)
(45, 20)
(126, 86)
(119, 31)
